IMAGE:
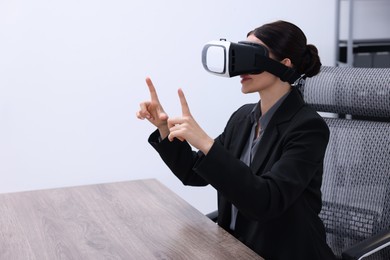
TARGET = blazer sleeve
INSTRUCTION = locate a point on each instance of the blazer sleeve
(181, 159)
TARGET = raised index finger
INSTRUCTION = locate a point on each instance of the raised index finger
(152, 90)
(184, 105)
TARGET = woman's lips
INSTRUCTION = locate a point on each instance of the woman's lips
(244, 78)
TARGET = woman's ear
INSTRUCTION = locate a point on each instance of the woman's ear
(287, 62)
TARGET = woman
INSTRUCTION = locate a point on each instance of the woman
(267, 165)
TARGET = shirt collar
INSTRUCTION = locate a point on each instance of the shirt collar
(256, 115)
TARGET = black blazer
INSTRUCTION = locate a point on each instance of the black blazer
(278, 196)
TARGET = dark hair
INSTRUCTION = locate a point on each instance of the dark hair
(286, 40)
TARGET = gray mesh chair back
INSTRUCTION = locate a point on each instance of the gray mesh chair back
(355, 103)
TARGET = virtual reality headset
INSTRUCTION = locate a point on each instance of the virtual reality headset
(228, 59)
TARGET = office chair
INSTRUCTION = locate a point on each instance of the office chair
(355, 103)
(356, 181)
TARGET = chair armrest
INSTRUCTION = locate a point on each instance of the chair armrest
(368, 246)
(213, 215)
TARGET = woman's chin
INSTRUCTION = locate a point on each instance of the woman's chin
(245, 90)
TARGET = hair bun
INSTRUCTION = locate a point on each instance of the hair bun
(310, 64)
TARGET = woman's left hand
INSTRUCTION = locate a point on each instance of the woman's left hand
(186, 128)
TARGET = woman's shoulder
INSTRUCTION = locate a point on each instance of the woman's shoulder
(309, 112)
(307, 116)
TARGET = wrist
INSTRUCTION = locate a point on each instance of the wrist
(207, 146)
(164, 131)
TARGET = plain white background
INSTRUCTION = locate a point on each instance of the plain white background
(72, 77)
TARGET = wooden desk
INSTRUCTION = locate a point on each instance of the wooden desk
(128, 220)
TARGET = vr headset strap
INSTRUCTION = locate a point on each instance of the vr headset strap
(278, 69)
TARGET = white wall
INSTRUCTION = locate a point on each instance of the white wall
(370, 19)
(72, 76)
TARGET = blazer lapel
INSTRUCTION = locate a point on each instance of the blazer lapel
(242, 136)
(288, 108)
(266, 143)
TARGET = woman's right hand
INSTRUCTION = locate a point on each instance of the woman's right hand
(153, 111)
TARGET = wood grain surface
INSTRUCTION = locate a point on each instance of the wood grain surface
(126, 220)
